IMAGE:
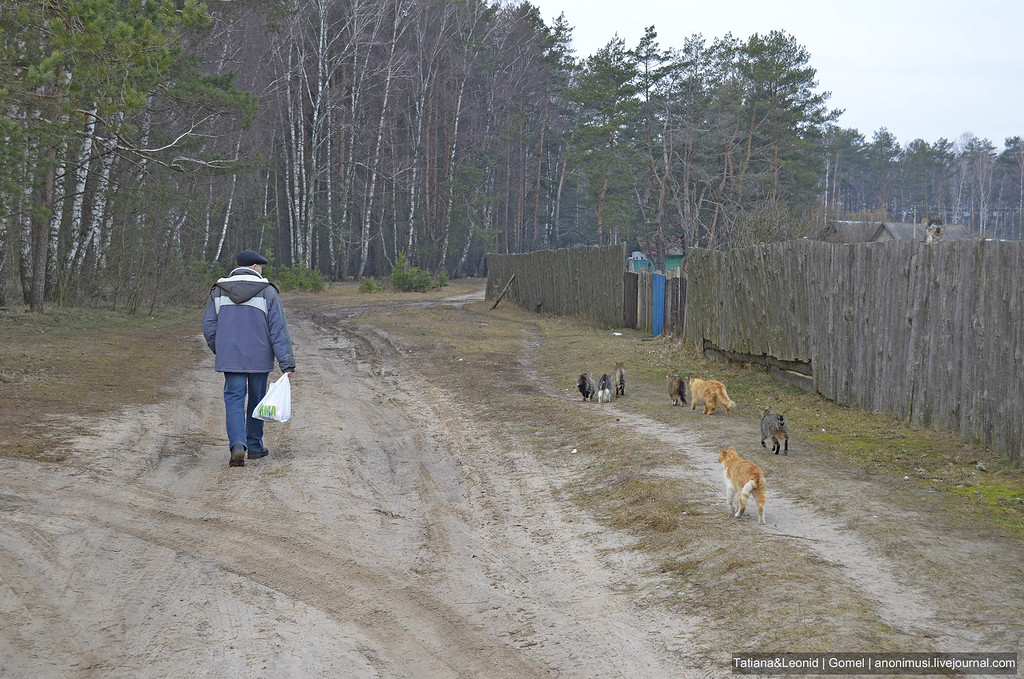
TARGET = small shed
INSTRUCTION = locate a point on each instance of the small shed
(887, 231)
(673, 260)
(638, 261)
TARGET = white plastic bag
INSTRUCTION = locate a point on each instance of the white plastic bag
(277, 404)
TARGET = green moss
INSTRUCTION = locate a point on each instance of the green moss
(1002, 502)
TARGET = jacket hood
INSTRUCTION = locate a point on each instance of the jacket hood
(242, 285)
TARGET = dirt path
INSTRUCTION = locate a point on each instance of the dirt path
(370, 543)
(899, 604)
(383, 537)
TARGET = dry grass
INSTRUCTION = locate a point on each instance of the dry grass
(67, 364)
(347, 293)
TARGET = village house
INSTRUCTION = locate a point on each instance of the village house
(878, 232)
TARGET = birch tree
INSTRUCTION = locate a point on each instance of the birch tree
(430, 26)
(399, 23)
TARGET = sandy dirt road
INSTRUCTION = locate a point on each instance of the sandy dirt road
(382, 537)
(368, 544)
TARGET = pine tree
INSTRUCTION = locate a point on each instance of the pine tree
(605, 95)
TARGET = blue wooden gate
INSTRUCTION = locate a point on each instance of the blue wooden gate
(658, 303)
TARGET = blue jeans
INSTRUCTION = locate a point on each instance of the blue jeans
(242, 427)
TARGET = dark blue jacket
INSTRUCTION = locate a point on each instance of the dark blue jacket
(244, 325)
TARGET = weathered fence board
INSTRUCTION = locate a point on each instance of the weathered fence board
(933, 333)
(644, 307)
(658, 304)
(629, 299)
(675, 302)
(585, 281)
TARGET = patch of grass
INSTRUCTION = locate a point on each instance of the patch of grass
(1000, 500)
(893, 450)
(643, 505)
(348, 294)
(73, 363)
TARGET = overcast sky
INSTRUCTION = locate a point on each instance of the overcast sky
(920, 68)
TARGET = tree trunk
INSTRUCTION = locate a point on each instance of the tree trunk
(604, 188)
(227, 210)
(389, 77)
(99, 210)
(540, 163)
(41, 230)
(78, 229)
(208, 223)
(451, 174)
(57, 216)
(558, 198)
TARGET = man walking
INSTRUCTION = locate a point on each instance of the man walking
(244, 326)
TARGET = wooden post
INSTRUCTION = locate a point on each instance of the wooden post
(503, 291)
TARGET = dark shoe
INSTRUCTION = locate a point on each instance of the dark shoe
(237, 456)
(257, 454)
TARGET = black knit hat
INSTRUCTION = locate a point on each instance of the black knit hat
(250, 257)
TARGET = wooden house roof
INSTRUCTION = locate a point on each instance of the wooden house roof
(909, 231)
(872, 232)
(851, 232)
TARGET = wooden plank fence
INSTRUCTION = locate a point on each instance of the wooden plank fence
(583, 281)
(932, 333)
(675, 302)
